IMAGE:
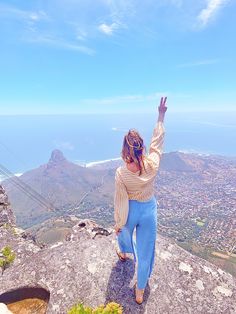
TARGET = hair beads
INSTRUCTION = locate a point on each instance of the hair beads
(133, 148)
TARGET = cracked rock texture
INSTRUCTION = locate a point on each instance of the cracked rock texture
(85, 268)
(6, 213)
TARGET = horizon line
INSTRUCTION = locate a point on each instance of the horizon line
(113, 113)
(91, 164)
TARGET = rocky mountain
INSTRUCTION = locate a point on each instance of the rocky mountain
(69, 189)
(197, 206)
(84, 268)
(173, 161)
(62, 185)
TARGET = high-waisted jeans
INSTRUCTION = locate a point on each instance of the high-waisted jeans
(143, 217)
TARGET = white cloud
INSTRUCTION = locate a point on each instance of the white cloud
(117, 129)
(208, 13)
(77, 22)
(81, 34)
(126, 99)
(34, 16)
(34, 30)
(120, 12)
(60, 43)
(7, 11)
(108, 29)
(198, 63)
(219, 125)
(38, 16)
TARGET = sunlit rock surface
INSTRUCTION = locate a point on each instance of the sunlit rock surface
(85, 268)
(6, 213)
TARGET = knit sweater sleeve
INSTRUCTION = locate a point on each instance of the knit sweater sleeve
(121, 201)
(156, 146)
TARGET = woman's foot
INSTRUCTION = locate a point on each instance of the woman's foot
(139, 295)
(122, 256)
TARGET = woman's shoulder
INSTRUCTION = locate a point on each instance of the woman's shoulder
(120, 168)
(122, 172)
(119, 171)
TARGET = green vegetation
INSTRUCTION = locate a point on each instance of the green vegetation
(227, 264)
(9, 227)
(110, 308)
(8, 257)
(200, 222)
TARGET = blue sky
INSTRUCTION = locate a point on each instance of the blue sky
(108, 56)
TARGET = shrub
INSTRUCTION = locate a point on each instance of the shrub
(8, 257)
(110, 308)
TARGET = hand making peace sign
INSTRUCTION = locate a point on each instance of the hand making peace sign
(162, 109)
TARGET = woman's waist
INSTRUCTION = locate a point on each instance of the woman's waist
(141, 197)
(144, 204)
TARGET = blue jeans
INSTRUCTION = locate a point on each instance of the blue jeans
(143, 217)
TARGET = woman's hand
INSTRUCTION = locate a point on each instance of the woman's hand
(162, 109)
(117, 230)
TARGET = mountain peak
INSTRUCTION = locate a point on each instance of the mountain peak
(57, 156)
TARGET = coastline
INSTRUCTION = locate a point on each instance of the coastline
(98, 162)
(82, 164)
(183, 151)
(2, 177)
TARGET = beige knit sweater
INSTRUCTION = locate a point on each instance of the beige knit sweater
(131, 186)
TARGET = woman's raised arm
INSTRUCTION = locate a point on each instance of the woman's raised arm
(156, 146)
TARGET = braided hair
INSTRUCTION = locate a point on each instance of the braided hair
(133, 149)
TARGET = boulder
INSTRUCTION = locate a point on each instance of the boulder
(85, 268)
(7, 216)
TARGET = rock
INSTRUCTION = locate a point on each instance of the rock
(185, 267)
(85, 269)
(199, 284)
(57, 156)
(4, 309)
(6, 214)
(14, 237)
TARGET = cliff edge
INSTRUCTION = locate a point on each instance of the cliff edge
(85, 268)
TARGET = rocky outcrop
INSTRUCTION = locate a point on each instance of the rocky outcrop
(6, 213)
(85, 268)
(53, 230)
(56, 157)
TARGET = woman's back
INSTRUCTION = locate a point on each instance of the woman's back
(134, 202)
(138, 186)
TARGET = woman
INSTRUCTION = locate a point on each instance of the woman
(134, 201)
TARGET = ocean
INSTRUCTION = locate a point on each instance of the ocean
(26, 142)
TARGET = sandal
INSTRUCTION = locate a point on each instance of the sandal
(121, 258)
(138, 295)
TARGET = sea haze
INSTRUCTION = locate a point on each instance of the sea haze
(27, 141)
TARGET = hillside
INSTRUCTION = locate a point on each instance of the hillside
(70, 188)
(196, 196)
(62, 183)
(88, 191)
(84, 268)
